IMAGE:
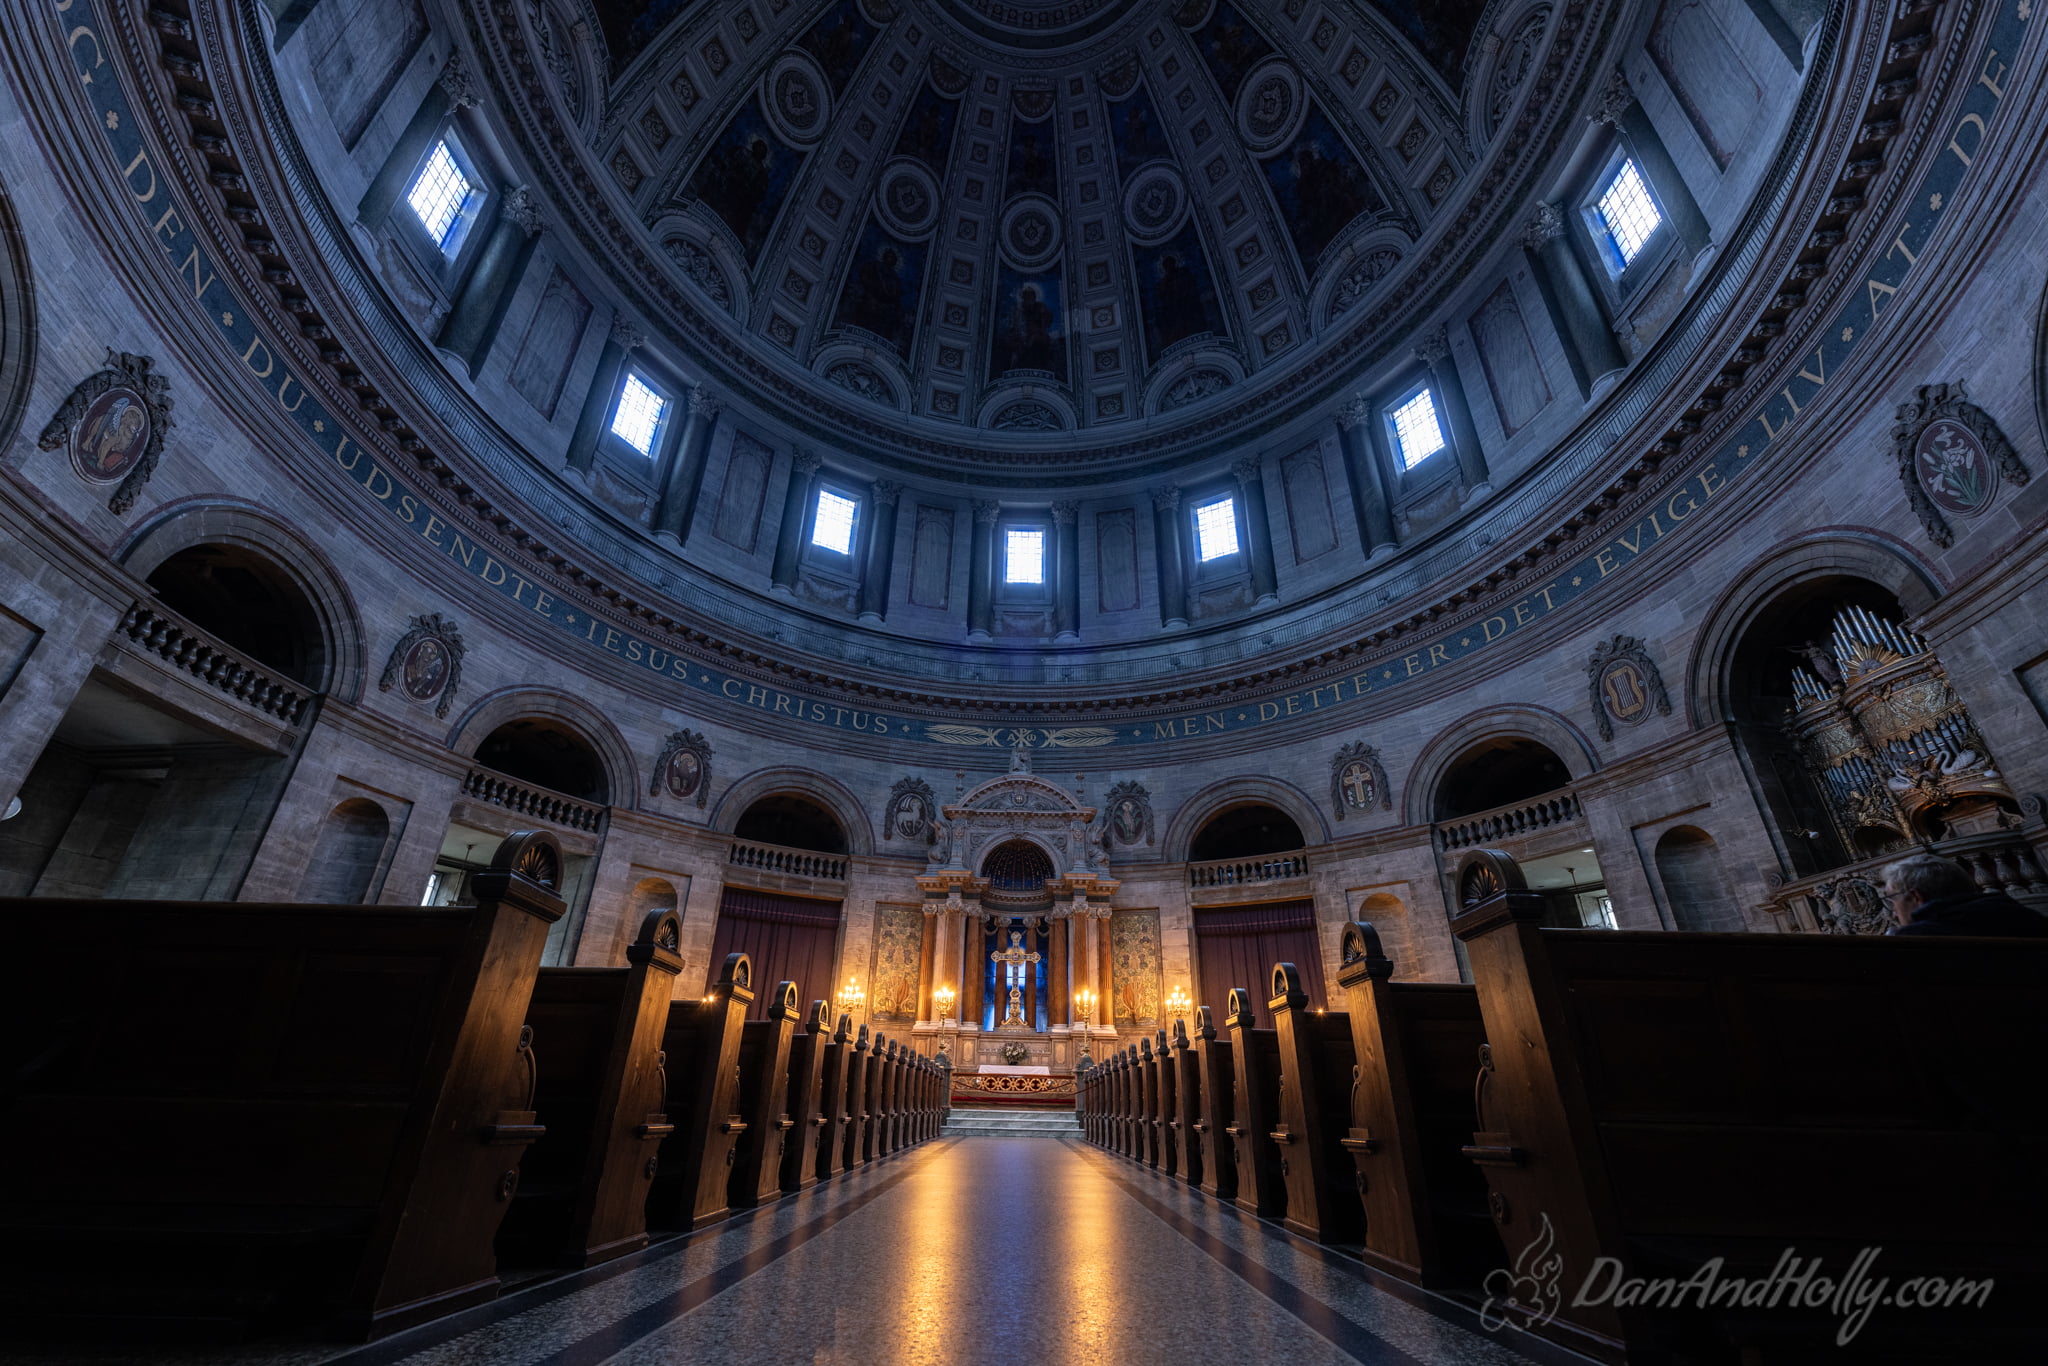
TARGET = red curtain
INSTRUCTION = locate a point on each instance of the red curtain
(1237, 946)
(787, 939)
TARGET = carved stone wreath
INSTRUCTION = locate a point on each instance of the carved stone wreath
(114, 422)
(1623, 683)
(683, 769)
(426, 664)
(1358, 780)
(1950, 454)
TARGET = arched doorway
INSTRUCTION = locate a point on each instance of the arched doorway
(790, 936)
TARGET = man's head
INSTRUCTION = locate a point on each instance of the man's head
(1912, 882)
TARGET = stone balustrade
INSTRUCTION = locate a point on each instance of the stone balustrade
(191, 651)
(774, 858)
(527, 800)
(1506, 822)
(1244, 872)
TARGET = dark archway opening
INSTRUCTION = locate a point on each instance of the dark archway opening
(1496, 773)
(248, 603)
(547, 754)
(1246, 832)
(794, 823)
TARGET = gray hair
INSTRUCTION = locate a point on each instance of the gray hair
(1931, 876)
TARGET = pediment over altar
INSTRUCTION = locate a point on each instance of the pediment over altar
(1019, 805)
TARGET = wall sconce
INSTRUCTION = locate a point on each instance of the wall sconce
(851, 996)
(943, 999)
(1178, 1004)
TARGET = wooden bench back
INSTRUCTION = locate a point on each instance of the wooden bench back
(702, 1041)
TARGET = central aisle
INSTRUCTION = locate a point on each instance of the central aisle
(1009, 1252)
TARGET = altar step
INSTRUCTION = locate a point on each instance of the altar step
(963, 1122)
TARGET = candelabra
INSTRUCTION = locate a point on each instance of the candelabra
(1178, 1005)
(1084, 1002)
(943, 998)
(851, 998)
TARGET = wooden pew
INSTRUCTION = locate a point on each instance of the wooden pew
(702, 1041)
(1187, 1122)
(764, 1101)
(871, 1099)
(1316, 1067)
(1417, 1046)
(888, 1119)
(221, 1116)
(1218, 1113)
(1255, 1057)
(1148, 1105)
(856, 1114)
(1165, 1117)
(582, 1196)
(1127, 1101)
(808, 1099)
(1671, 1098)
(832, 1082)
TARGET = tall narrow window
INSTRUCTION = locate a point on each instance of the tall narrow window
(439, 195)
(1417, 433)
(1216, 529)
(832, 528)
(637, 418)
(1023, 555)
(1627, 213)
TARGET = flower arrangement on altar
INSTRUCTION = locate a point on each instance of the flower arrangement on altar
(1014, 1053)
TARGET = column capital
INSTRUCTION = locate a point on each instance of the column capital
(804, 460)
(522, 209)
(1433, 346)
(1613, 100)
(1355, 413)
(626, 334)
(1545, 225)
(703, 405)
(885, 491)
(1066, 512)
(455, 78)
(1166, 499)
(1247, 470)
(987, 509)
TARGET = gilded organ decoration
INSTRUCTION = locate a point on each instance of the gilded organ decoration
(1624, 685)
(114, 424)
(1891, 748)
(426, 664)
(1358, 780)
(683, 769)
(1951, 456)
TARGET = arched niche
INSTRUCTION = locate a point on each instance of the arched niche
(1696, 886)
(792, 821)
(1251, 830)
(1204, 806)
(826, 792)
(526, 725)
(348, 855)
(218, 559)
(1499, 729)
(651, 894)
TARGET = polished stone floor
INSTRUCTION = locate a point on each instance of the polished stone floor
(1008, 1251)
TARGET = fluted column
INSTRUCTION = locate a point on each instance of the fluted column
(1619, 109)
(1107, 977)
(1086, 958)
(881, 551)
(927, 951)
(619, 343)
(981, 571)
(1368, 491)
(951, 967)
(1066, 518)
(796, 502)
(1589, 345)
(1167, 541)
(973, 967)
(1449, 387)
(685, 472)
(1056, 973)
(1251, 487)
(479, 308)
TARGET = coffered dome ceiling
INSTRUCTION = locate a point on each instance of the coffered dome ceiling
(1035, 240)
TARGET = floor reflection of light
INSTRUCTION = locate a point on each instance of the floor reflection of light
(1080, 1236)
(934, 1293)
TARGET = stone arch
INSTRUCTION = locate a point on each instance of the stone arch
(17, 323)
(1696, 886)
(1833, 552)
(496, 709)
(829, 793)
(651, 894)
(348, 854)
(196, 523)
(1213, 800)
(1517, 721)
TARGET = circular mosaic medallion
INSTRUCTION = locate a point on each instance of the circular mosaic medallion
(426, 668)
(909, 197)
(111, 437)
(1270, 107)
(1624, 692)
(1953, 468)
(684, 771)
(1031, 230)
(798, 98)
(1155, 203)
